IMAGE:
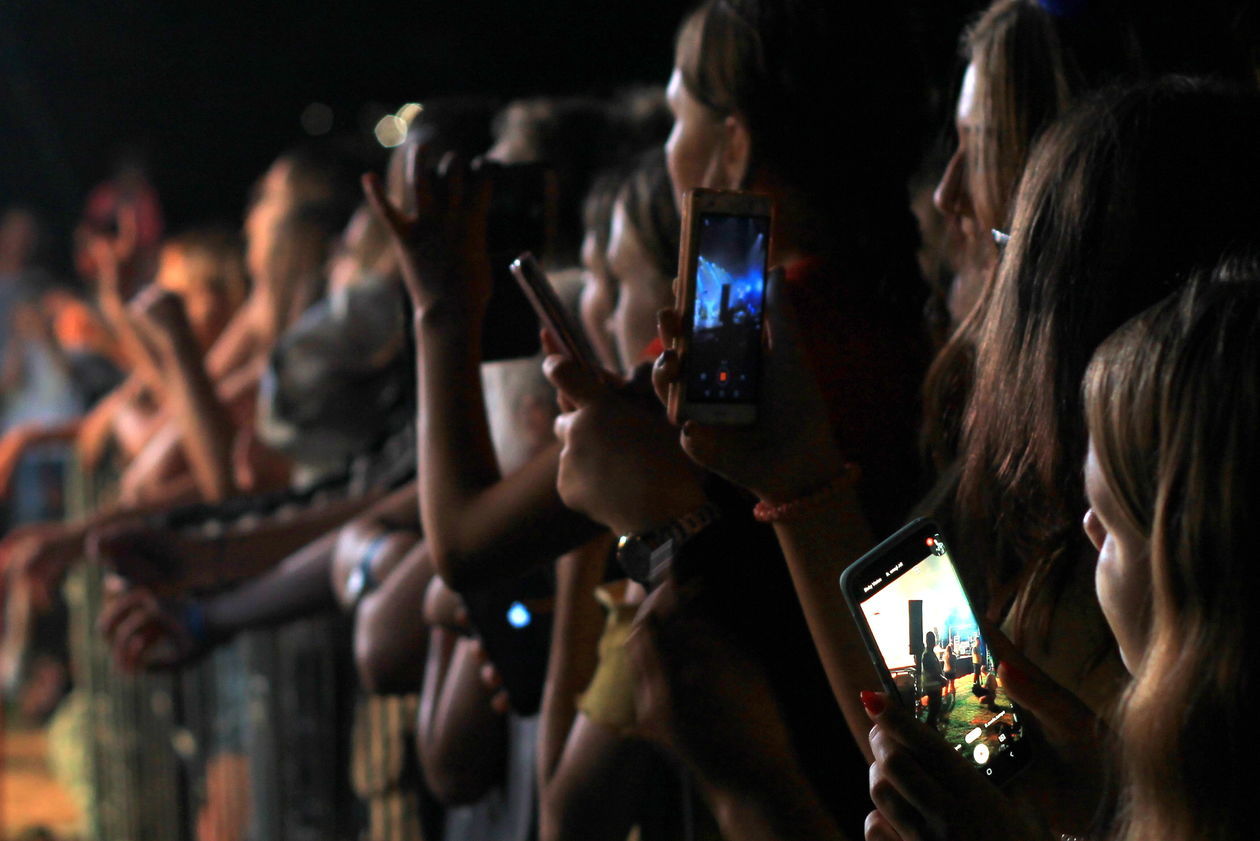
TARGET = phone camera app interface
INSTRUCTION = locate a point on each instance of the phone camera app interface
(725, 349)
(931, 644)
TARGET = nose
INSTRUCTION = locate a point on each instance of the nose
(951, 196)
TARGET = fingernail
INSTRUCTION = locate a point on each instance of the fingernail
(873, 701)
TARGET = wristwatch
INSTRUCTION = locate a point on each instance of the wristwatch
(361, 581)
(645, 557)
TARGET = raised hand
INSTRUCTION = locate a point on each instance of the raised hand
(441, 246)
(789, 451)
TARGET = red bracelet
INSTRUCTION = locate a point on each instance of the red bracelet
(764, 512)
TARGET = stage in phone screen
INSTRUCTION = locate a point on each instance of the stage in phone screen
(931, 644)
(725, 350)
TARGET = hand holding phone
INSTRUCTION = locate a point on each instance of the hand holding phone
(930, 651)
(791, 449)
(551, 312)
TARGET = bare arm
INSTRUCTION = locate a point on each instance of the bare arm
(390, 634)
(206, 424)
(462, 742)
(479, 525)
(575, 636)
(818, 546)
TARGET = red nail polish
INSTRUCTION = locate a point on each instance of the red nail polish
(873, 701)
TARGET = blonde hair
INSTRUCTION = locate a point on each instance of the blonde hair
(1173, 406)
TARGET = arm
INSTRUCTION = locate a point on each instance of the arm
(461, 741)
(591, 775)
(207, 426)
(19, 439)
(478, 525)
(396, 513)
(172, 561)
(146, 632)
(297, 587)
(390, 634)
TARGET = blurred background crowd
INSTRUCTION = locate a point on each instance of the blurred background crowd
(299, 536)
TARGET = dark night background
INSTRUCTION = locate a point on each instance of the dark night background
(209, 92)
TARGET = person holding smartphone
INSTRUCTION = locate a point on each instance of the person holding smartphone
(1171, 481)
(749, 82)
(1113, 155)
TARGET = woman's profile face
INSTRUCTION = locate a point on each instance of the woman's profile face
(1122, 577)
(596, 301)
(691, 152)
(641, 290)
(969, 240)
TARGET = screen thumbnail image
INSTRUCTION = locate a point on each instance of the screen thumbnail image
(930, 641)
(730, 289)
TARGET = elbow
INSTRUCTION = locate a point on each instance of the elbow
(382, 668)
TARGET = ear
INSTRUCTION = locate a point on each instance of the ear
(735, 159)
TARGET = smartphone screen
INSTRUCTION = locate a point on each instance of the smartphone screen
(724, 355)
(918, 622)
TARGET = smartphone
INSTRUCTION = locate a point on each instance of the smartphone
(551, 313)
(927, 646)
(513, 621)
(721, 291)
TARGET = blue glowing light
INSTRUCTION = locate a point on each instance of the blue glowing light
(518, 615)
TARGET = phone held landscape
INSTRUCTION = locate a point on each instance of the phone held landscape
(724, 257)
(926, 644)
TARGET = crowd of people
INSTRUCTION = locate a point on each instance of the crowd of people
(349, 406)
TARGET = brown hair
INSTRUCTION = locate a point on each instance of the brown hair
(1173, 406)
(1120, 201)
(1024, 80)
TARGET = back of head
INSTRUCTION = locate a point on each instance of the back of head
(1121, 201)
(1174, 408)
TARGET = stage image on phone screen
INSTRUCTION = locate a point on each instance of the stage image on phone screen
(724, 357)
(930, 641)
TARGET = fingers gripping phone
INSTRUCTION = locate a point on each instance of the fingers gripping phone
(551, 312)
(927, 646)
(721, 291)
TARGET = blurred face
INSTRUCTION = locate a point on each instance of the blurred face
(1123, 575)
(641, 290)
(207, 312)
(596, 303)
(969, 240)
(693, 150)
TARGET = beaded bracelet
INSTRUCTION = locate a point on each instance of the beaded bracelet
(764, 512)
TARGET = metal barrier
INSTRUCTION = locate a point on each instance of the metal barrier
(252, 742)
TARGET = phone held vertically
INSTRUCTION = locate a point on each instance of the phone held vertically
(929, 650)
(721, 294)
(551, 312)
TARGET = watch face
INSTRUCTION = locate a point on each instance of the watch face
(355, 583)
(635, 558)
